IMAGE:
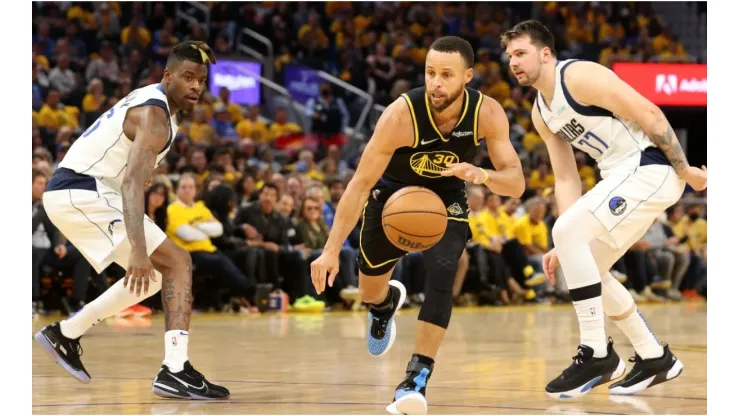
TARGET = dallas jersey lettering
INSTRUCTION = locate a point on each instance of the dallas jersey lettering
(102, 151)
(609, 139)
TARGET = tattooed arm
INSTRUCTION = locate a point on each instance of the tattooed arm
(149, 128)
(593, 84)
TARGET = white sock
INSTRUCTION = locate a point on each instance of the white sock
(112, 301)
(591, 319)
(175, 349)
(621, 308)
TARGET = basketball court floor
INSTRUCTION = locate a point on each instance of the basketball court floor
(493, 361)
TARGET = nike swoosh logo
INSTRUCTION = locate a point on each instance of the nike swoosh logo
(203, 385)
(423, 142)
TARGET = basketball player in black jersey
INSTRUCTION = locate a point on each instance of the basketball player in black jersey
(427, 137)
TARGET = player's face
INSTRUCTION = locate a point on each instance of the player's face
(445, 78)
(186, 82)
(525, 60)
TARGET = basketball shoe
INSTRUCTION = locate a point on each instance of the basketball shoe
(382, 331)
(64, 351)
(648, 373)
(586, 372)
(186, 384)
(410, 396)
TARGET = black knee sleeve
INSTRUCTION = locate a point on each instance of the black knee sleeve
(441, 264)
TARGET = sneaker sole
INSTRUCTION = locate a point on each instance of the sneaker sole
(586, 388)
(52, 353)
(410, 404)
(168, 392)
(659, 378)
(392, 339)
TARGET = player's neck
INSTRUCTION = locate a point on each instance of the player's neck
(546, 83)
(453, 111)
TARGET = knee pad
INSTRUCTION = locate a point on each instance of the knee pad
(437, 307)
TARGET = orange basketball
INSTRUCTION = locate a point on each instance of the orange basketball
(414, 218)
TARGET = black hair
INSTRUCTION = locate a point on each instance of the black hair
(454, 44)
(539, 34)
(193, 51)
(332, 182)
(271, 185)
(160, 214)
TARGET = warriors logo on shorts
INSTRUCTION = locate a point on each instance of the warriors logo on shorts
(617, 205)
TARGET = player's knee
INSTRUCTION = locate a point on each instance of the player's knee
(437, 307)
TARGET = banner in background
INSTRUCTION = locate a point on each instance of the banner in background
(302, 83)
(667, 84)
(239, 78)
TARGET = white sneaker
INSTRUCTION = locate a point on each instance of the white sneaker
(651, 296)
(621, 277)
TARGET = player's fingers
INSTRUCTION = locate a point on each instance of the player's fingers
(322, 279)
(704, 168)
(139, 281)
(332, 276)
(125, 278)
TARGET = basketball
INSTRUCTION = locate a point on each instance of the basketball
(414, 218)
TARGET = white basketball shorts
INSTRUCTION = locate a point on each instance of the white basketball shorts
(627, 202)
(90, 215)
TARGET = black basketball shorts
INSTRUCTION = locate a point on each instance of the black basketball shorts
(377, 254)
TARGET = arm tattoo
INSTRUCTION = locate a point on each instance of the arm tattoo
(139, 170)
(667, 141)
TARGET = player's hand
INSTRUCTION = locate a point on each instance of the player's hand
(550, 262)
(326, 263)
(466, 172)
(696, 177)
(140, 270)
(61, 251)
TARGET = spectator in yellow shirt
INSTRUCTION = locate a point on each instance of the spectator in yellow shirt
(191, 225)
(53, 115)
(94, 99)
(531, 230)
(311, 32)
(696, 229)
(252, 127)
(235, 110)
(281, 126)
(135, 35)
(586, 172)
(200, 130)
(542, 177)
(497, 88)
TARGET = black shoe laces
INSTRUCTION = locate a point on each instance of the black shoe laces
(76, 346)
(379, 327)
(577, 361)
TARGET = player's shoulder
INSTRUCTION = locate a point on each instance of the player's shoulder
(491, 114)
(579, 73)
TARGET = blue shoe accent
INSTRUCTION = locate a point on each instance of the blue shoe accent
(590, 384)
(564, 396)
(421, 379)
(376, 346)
(401, 393)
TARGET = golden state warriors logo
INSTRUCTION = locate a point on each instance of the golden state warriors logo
(431, 164)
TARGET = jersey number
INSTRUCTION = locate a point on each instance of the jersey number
(442, 159)
(589, 140)
(95, 125)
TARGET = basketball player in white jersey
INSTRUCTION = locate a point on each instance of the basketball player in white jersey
(96, 199)
(644, 171)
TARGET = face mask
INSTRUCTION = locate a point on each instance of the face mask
(693, 216)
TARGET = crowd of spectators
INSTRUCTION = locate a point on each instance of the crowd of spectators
(254, 211)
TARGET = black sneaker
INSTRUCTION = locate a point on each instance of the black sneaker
(382, 331)
(64, 351)
(648, 373)
(586, 372)
(186, 384)
(410, 396)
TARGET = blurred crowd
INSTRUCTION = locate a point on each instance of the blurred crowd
(267, 190)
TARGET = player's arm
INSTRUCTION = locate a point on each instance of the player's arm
(508, 178)
(393, 130)
(593, 84)
(567, 180)
(149, 126)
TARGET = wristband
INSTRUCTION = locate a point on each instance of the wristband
(485, 175)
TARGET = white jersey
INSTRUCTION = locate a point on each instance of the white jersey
(609, 139)
(102, 151)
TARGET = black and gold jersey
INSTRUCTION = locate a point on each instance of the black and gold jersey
(422, 163)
